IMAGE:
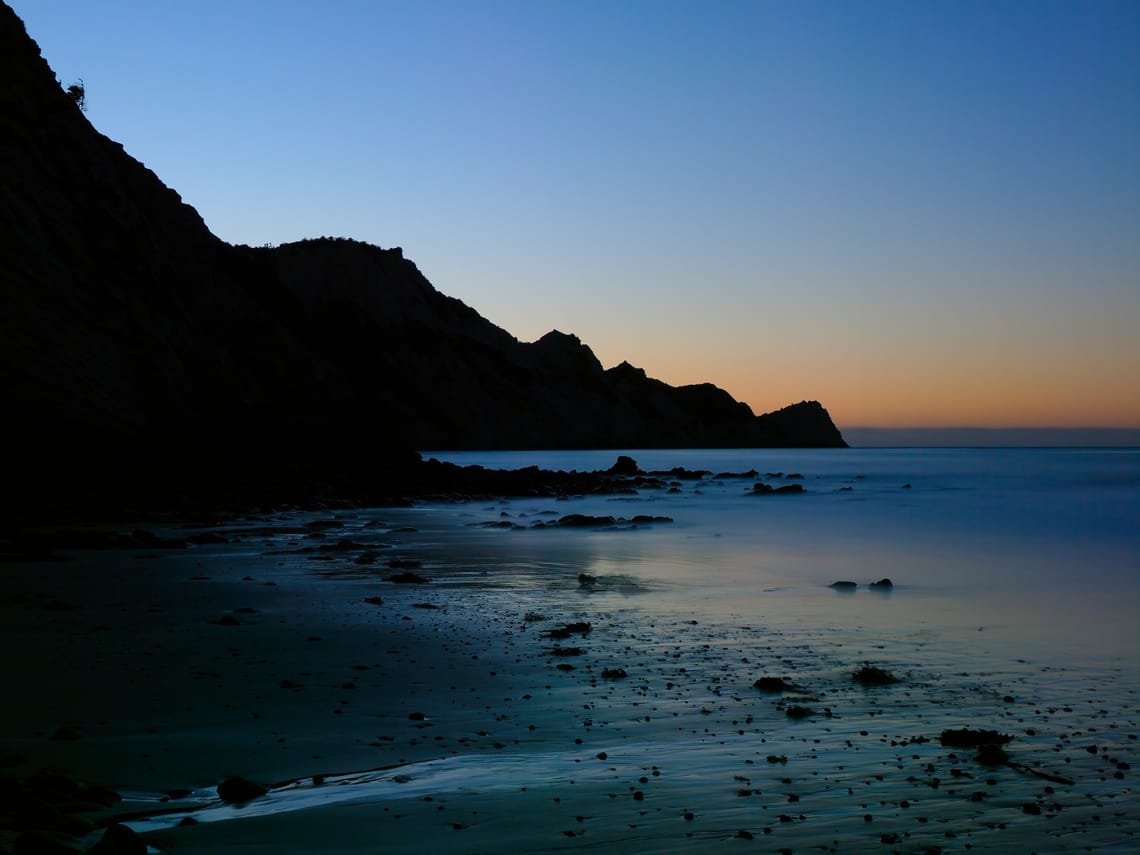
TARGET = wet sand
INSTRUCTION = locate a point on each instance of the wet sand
(445, 718)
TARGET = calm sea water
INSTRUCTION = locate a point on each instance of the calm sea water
(1040, 548)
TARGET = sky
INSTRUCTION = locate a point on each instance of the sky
(921, 214)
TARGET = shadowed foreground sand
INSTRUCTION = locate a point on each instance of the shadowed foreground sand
(444, 717)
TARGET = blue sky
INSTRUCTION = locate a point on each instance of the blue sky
(918, 213)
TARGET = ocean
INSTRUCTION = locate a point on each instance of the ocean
(1040, 548)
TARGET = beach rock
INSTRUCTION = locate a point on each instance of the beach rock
(585, 520)
(587, 581)
(643, 519)
(614, 673)
(869, 675)
(796, 711)
(578, 628)
(762, 489)
(991, 754)
(408, 579)
(119, 840)
(565, 651)
(238, 790)
(751, 473)
(883, 584)
(774, 684)
(843, 585)
(965, 737)
(625, 465)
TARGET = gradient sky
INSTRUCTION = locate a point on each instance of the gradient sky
(918, 213)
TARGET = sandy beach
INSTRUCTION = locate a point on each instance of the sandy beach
(482, 711)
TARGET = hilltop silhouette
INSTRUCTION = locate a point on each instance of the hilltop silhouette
(141, 353)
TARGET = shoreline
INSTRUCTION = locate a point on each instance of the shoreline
(261, 654)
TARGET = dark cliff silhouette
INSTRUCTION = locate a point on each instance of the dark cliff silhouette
(140, 353)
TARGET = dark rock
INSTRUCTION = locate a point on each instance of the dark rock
(119, 840)
(991, 754)
(587, 581)
(965, 737)
(578, 628)
(164, 365)
(375, 601)
(625, 465)
(238, 790)
(762, 489)
(751, 473)
(614, 673)
(565, 651)
(843, 585)
(774, 684)
(796, 711)
(408, 579)
(869, 675)
(645, 519)
(585, 521)
(881, 585)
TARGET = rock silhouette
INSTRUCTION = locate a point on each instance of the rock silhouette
(156, 361)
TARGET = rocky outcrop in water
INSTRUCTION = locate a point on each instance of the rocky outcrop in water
(151, 360)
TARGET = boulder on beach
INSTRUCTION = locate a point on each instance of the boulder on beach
(585, 520)
(238, 790)
(407, 579)
(965, 737)
(625, 465)
(118, 839)
(762, 489)
(869, 675)
(774, 684)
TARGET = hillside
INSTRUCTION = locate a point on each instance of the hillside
(138, 349)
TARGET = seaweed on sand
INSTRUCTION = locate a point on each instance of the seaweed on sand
(869, 675)
(990, 752)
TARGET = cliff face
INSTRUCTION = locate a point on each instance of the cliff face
(127, 328)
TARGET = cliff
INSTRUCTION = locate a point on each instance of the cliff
(132, 340)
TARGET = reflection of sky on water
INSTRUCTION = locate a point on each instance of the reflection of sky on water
(1037, 547)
